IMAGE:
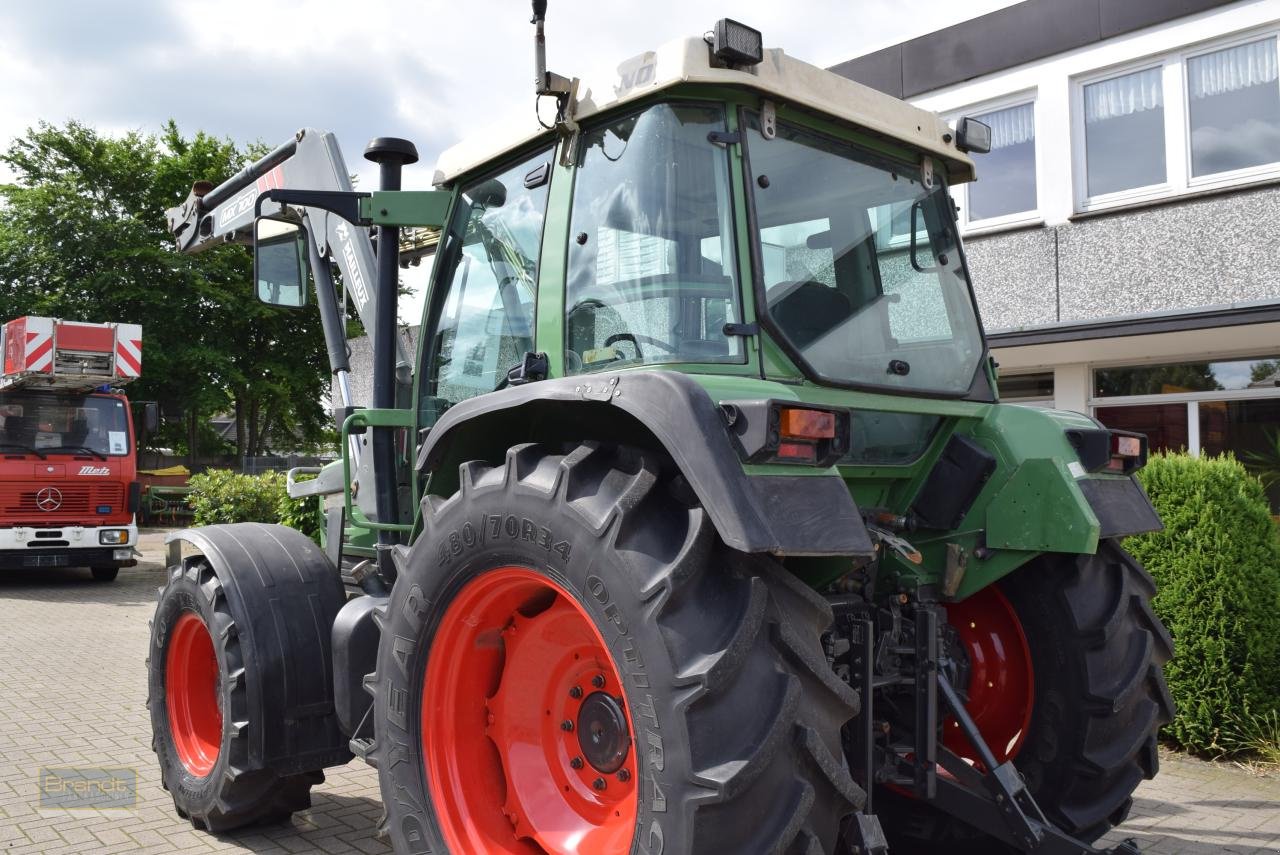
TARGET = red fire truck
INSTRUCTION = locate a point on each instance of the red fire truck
(68, 475)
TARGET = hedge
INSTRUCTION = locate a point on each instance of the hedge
(1217, 568)
(223, 496)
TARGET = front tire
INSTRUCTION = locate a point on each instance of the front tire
(199, 711)
(1097, 694)
(104, 574)
(723, 733)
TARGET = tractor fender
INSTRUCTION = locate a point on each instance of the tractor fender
(284, 596)
(801, 515)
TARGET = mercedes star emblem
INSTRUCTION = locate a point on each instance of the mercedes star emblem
(49, 499)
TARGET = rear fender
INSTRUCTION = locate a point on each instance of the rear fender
(801, 515)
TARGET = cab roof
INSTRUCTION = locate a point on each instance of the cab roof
(779, 77)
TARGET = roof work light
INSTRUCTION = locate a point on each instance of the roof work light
(736, 44)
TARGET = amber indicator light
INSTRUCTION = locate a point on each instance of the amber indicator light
(807, 424)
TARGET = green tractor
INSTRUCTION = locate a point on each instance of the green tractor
(695, 525)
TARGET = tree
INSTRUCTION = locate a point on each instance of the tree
(82, 236)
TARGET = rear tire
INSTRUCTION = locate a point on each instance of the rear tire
(732, 713)
(1097, 650)
(200, 713)
(104, 574)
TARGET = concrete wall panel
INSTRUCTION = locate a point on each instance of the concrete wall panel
(1207, 252)
(1014, 278)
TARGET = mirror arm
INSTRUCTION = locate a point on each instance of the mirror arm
(344, 204)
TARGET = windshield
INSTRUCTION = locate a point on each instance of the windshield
(860, 300)
(63, 424)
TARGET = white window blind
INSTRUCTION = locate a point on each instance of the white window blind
(1123, 96)
(1232, 69)
(1013, 126)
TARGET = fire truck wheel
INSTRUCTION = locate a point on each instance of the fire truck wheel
(104, 574)
(571, 662)
(200, 712)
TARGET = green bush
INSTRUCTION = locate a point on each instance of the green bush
(1217, 568)
(223, 496)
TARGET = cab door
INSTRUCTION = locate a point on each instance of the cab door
(480, 319)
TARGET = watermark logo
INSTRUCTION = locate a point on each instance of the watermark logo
(91, 787)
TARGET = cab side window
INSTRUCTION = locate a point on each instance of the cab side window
(483, 320)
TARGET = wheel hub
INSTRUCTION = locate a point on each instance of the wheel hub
(525, 733)
(603, 735)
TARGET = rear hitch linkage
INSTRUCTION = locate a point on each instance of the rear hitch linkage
(989, 795)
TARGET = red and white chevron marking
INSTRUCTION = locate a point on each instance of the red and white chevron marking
(128, 357)
(39, 353)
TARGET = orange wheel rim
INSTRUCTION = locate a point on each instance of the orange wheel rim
(1001, 680)
(526, 734)
(191, 695)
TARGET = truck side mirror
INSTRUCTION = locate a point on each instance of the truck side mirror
(151, 417)
(280, 265)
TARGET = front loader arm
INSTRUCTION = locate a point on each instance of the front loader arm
(212, 216)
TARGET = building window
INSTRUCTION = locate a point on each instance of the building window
(1251, 431)
(1201, 407)
(1193, 120)
(1234, 108)
(1027, 388)
(1124, 132)
(1185, 377)
(1165, 425)
(1007, 175)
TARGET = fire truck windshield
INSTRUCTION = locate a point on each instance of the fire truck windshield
(46, 424)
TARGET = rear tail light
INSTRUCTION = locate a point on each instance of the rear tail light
(807, 425)
(1113, 451)
(1128, 452)
(768, 431)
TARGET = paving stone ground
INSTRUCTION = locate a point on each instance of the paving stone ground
(72, 693)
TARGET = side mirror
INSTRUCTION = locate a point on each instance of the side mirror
(973, 136)
(280, 262)
(151, 416)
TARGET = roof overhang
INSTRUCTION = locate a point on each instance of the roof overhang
(779, 77)
(1161, 337)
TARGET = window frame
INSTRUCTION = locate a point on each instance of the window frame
(747, 356)
(1179, 181)
(960, 192)
(1233, 176)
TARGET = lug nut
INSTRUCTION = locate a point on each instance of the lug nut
(576, 762)
(598, 681)
(566, 726)
(575, 692)
(599, 783)
(624, 775)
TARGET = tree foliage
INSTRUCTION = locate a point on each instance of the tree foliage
(83, 237)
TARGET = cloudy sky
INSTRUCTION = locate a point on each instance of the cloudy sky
(429, 71)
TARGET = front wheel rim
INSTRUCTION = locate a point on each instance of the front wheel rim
(1001, 690)
(191, 695)
(527, 744)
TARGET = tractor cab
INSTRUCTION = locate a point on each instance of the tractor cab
(748, 217)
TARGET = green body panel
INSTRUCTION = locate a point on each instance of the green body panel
(1040, 507)
(1030, 504)
(406, 207)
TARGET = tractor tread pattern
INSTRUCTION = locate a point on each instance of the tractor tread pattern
(763, 775)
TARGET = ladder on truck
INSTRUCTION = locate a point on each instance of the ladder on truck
(53, 354)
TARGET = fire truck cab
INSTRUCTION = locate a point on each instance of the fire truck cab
(68, 473)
